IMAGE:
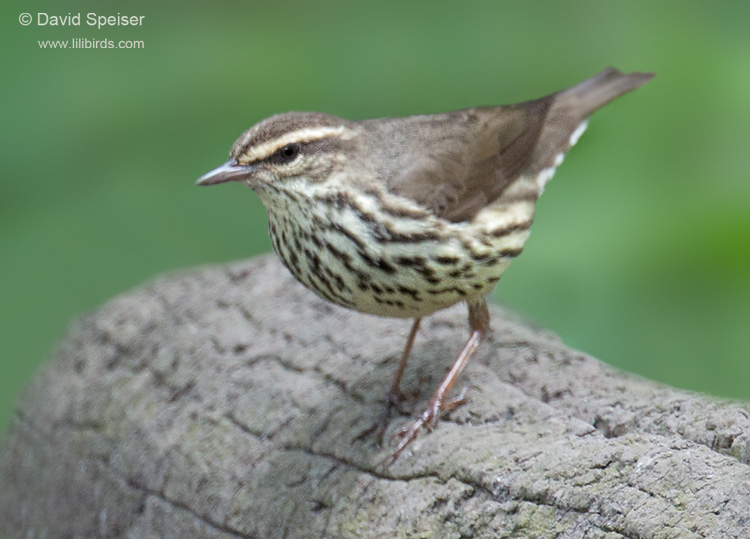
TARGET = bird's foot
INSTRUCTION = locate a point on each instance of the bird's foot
(428, 420)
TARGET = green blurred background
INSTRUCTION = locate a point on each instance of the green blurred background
(640, 253)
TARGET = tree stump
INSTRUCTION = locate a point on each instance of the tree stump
(226, 402)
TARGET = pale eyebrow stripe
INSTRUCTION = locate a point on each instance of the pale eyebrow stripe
(308, 134)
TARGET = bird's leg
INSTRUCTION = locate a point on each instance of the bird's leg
(479, 322)
(393, 396)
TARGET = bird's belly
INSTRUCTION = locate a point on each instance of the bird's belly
(414, 276)
(423, 289)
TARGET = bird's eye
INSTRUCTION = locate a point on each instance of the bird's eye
(289, 152)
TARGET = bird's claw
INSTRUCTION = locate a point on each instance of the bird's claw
(428, 420)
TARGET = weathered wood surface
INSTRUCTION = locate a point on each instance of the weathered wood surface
(225, 402)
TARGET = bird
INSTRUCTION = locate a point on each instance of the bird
(405, 216)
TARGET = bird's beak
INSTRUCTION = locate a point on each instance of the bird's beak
(230, 171)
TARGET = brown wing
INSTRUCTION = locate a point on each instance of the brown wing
(458, 163)
(462, 161)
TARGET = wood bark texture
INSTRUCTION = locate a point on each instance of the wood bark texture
(226, 402)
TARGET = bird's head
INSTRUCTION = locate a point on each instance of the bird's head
(304, 146)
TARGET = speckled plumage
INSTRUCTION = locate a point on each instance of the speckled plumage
(373, 253)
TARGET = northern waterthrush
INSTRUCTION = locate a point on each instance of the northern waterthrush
(406, 216)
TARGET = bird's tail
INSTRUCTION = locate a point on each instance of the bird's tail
(567, 115)
(586, 97)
